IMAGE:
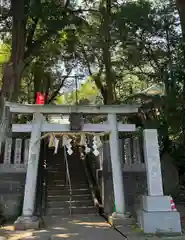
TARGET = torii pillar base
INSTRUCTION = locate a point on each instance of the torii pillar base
(117, 219)
(25, 223)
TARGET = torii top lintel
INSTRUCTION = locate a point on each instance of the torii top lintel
(67, 109)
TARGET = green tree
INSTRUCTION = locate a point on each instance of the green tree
(32, 25)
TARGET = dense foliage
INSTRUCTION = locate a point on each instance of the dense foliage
(123, 46)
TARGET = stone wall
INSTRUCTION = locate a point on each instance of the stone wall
(134, 183)
(11, 197)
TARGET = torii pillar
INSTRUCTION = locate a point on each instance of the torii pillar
(118, 186)
(27, 220)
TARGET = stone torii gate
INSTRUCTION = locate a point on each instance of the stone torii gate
(154, 206)
(38, 126)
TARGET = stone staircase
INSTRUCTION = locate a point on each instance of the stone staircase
(58, 199)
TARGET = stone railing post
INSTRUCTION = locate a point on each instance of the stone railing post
(17, 153)
(26, 152)
(7, 152)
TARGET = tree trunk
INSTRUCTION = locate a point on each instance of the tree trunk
(181, 9)
(107, 54)
(180, 4)
(12, 70)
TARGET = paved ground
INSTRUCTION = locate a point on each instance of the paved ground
(77, 228)
(81, 228)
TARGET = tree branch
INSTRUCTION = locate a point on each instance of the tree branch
(5, 30)
(5, 13)
(86, 59)
(150, 53)
(67, 4)
(31, 33)
(58, 89)
(34, 47)
(96, 78)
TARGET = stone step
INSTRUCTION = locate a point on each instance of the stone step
(56, 164)
(60, 167)
(63, 182)
(55, 181)
(52, 183)
(63, 167)
(77, 182)
(63, 172)
(76, 177)
(74, 210)
(74, 203)
(66, 191)
(56, 171)
(66, 186)
(60, 198)
(56, 177)
(73, 176)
